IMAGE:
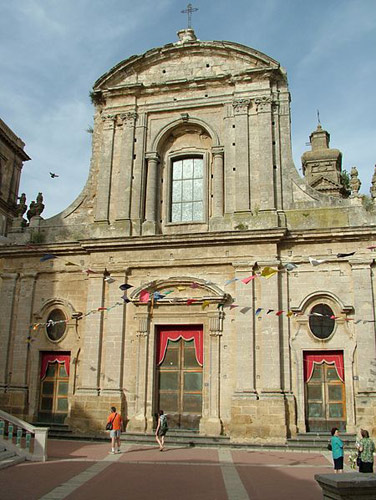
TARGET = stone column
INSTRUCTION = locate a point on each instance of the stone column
(266, 181)
(90, 365)
(8, 290)
(242, 197)
(113, 341)
(217, 184)
(124, 182)
(211, 424)
(105, 170)
(151, 212)
(138, 423)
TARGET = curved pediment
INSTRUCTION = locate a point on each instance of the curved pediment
(181, 62)
(178, 290)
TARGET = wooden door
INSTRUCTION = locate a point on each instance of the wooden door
(180, 385)
(325, 399)
(53, 405)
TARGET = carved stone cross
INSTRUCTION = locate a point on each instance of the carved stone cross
(189, 11)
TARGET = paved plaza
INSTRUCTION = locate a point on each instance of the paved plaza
(85, 470)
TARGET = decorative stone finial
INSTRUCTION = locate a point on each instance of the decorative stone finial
(21, 206)
(354, 182)
(35, 208)
(39, 207)
(186, 35)
(373, 187)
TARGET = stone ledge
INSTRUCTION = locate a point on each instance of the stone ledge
(351, 486)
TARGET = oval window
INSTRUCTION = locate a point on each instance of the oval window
(55, 329)
(320, 321)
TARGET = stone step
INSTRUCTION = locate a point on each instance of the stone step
(8, 458)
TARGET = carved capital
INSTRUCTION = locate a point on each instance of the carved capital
(241, 105)
(143, 326)
(129, 118)
(217, 150)
(109, 121)
(152, 156)
(216, 324)
(263, 103)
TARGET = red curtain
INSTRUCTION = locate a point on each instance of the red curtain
(176, 333)
(319, 357)
(53, 357)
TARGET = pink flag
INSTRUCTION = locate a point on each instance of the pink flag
(247, 280)
(144, 296)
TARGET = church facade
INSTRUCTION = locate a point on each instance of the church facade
(197, 272)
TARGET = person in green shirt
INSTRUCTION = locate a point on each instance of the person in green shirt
(366, 449)
(337, 450)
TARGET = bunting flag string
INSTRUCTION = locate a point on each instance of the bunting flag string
(148, 294)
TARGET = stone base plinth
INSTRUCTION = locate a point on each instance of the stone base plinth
(149, 228)
(138, 423)
(210, 426)
(89, 412)
(259, 419)
(14, 401)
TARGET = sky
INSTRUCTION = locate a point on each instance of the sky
(52, 52)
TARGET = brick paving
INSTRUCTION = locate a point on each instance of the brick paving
(78, 470)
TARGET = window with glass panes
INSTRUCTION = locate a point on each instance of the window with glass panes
(187, 190)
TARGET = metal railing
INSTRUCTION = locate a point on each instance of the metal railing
(23, 438)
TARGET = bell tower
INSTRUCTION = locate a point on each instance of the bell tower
(322, 165)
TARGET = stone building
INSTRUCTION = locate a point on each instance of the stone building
(197, 272)
(12, 156)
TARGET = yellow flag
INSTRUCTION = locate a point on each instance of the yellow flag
(205, 304)
(267, 272)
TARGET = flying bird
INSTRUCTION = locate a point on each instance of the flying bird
(53, 175)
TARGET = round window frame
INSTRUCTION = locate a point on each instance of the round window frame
(53, 309)
(312, 310)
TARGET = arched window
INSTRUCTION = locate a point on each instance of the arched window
(187, 190)
(321, 322)
(56, 325)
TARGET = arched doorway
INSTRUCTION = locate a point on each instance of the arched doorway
(179, 374)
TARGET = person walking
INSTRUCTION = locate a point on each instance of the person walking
(337, 450)
(366, 448)
(162, 428)
(115, 426)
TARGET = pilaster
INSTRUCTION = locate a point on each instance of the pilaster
(210, 423)
(105, 169)
(242, 179)
(113, 356)
(139, 178)
(92, 338)
(217, 184)
(138, 422)
(263, 105)
(7, 304)
(268, 333)
(124, 182)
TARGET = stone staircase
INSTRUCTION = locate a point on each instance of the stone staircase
(318, 441)
(9, 458)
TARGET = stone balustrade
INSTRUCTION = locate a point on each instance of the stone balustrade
(12, 431)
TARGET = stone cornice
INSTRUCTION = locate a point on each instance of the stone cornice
(270, 236)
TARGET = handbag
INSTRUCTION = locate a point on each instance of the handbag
(329, 447)
(358, 460)
(109, 424)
